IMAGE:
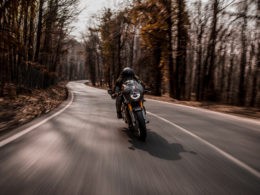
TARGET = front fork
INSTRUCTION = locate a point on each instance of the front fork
(144, 112)
(130, 108)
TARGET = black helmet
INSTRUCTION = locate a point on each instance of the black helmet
(127, 73)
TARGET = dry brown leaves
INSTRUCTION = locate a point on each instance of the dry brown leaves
(25, 107)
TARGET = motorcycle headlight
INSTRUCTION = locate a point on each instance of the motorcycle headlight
(135, 96)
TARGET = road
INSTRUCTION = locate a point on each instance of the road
(83, 148)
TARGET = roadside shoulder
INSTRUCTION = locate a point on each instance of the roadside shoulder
(236, 111)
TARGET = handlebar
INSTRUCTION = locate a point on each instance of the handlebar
(112, 94)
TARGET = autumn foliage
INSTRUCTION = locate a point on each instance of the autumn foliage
(199, 50)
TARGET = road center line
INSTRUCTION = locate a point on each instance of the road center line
(29, 129)
(225, 154)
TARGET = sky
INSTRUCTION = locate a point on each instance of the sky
(94, 7)
(90, 8)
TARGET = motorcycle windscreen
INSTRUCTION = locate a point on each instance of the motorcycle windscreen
(133, 86)
(133, 90)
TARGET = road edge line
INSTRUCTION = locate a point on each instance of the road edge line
(29, 129)
(249, 120)
(225, 154)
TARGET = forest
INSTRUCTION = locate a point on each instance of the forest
(189, 50)
(33, 42)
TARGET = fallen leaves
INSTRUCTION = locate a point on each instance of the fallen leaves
(25, 107)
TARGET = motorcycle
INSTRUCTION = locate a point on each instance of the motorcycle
(132, 107)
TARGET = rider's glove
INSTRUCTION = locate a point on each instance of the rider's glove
(114, 95)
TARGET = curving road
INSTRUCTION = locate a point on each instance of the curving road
(82, 148)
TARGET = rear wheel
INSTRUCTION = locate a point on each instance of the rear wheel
(141, 125)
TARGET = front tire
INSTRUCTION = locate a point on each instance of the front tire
(141, 125)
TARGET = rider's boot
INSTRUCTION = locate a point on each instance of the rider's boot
(119, 115)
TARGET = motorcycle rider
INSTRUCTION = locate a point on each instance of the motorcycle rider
(126, 74)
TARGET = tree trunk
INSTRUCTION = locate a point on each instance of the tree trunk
(243, 60)
(198, 68)
(230, 74)
(25, 29)
(182, 38)
(170, 50)
(255, 85)
(209, 63)
(39, 31)
(157, 84)
(31, 32)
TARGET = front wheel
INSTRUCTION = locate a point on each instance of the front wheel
(141, 125)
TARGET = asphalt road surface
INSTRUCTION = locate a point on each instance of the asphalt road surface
(82, 148)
